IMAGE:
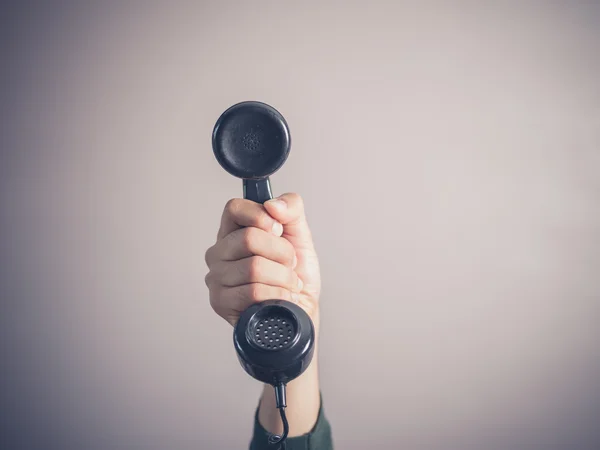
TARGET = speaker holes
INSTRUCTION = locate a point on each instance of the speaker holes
(251, 141)
(273, 332)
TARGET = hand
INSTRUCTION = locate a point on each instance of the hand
(263, 252)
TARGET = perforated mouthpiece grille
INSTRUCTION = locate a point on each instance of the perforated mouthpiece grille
(251, 141)
(274, 331)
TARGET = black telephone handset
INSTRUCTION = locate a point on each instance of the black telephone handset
(274, 339)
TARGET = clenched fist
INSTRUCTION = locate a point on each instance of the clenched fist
(263, 252)
(266, 252)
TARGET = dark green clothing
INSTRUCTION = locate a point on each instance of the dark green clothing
(319, 438)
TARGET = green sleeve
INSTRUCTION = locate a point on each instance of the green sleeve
(319, 438)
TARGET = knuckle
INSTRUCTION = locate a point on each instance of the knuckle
(208, 279)
(255, 267)
(249, 236)
(232, 206)
(208, 256)
(255, 291)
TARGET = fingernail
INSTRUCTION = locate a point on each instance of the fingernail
(277, 229)
(279, 204)
(300, 284)
(294, 262)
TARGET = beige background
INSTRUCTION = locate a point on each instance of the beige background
(449, 157)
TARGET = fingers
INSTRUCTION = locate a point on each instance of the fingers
(246, 242)
(252, 261)
(239, 298)
(239, 213)
(288, 209)
(256, 269)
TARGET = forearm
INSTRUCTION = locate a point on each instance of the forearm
(303, 403)
(309, 428)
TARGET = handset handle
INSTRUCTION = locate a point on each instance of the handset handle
(258, 191)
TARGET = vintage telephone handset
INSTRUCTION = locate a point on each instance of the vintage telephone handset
(274, 339)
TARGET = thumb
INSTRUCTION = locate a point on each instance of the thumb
(288, 209)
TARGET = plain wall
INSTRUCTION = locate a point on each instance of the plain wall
(449, 158)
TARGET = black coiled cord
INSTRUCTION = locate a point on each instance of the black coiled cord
(280, 439)
(280, 402)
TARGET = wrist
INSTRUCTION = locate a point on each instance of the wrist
(303, 403)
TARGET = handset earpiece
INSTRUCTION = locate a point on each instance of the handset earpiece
(251, 141)
(274, 339)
